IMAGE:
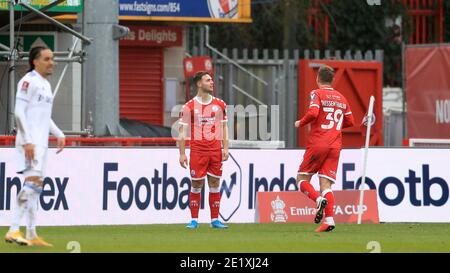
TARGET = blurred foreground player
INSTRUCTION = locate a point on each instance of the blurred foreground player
(33, 111)
(329, 113)
(206, 117)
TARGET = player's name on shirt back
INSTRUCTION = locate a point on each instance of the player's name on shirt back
(332, 103)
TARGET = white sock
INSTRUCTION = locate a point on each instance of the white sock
(214, 190)
(21, 207)
(329, 221)
(31, 233)
(31, 215)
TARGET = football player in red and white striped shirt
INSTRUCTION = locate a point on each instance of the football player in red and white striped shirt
(329, 113)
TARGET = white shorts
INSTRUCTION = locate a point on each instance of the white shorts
(38, 165)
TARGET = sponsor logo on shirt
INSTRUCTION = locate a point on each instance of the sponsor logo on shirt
(45, 99)
(206, 120)
(334, 97)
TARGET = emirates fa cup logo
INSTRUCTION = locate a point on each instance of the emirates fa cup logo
(278, 215)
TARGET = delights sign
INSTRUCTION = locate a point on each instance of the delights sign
(153, 36)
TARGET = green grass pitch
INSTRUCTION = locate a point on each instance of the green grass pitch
(243, 238)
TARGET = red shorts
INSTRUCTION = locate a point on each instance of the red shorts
(205, 164)
(323, 160)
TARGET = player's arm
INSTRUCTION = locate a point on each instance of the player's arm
(225, 141)
(224, 121)
(310, 116)
(21, 120)
(182, 146)
(313, 111)
(349, 120)
(24, 94)
(60, 137)
(183, 121)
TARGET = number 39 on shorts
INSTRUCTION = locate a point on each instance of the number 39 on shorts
(333, 117)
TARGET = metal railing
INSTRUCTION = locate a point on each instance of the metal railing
(243, 69)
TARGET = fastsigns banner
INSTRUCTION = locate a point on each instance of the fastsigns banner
(184, 10)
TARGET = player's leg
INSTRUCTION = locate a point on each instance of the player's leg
(195, 201)
(23, 165)
(36, 171)
(214, 201)
(197, 165)
(325, 188)
(214, 177)
(309, 166)
(327, 177)
(14, 235)
(36, 184)
(304, 185)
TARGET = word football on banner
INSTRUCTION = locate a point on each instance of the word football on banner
(294, 206)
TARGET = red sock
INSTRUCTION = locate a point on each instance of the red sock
(309, 190)
(329, 209)
(194, 204)
(214, 204)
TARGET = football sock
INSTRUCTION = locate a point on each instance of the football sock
(21, 207)
(329, 209)
(194, 202)
(308, 190)
(214, 203)
(31, 214)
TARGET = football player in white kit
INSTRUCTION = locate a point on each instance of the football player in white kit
(33, 110)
